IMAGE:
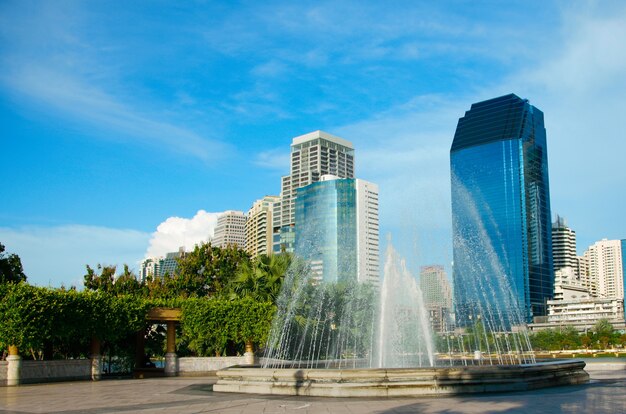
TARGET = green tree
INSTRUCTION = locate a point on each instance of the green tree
(11, 270)
(206, 271)
(603, 328)
(261, 278)
(100, 280)
(103, 279)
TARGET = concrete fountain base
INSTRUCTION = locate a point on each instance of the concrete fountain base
(400, 382)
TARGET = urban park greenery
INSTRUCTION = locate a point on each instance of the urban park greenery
(226, 299)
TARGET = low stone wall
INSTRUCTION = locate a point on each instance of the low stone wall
(59, 370)
(198, 366)
(3, 373)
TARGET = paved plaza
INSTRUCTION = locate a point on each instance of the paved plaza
(606, 393)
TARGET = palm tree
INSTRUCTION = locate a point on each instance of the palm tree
(261, 278)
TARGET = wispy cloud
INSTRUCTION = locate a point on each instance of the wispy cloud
(274, 159)
(71, 97)
(577, 81)
(70, 79)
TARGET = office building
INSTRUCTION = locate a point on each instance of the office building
(312, 155)
(230, 230)
(336, 229)
(502, 243)
(159, 267)
(584, 313)
(259, 225)
(435, 287)
(437, 296)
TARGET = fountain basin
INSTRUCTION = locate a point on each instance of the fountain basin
(400, 382)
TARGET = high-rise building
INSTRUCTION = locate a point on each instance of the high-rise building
(259, 226)
(160, 266)
(563, 245)
(435, 286)
(337, 229)
(501, 208)
(230, 230)
(605, 259)
(312, 155)
(437, 296)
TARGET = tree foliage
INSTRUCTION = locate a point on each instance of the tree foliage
(205, 271)
(209, 324)
(260, 278)
(11, 270)
(103, 279)
(36, 318)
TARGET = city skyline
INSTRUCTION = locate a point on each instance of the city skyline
(125, 134)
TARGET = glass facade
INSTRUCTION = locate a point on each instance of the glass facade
(501, 211)
(326, 233)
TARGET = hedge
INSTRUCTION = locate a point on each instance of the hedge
(34, 318)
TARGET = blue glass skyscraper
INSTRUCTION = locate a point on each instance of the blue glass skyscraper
(501, 213)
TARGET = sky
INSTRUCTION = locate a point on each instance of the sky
(127, 127)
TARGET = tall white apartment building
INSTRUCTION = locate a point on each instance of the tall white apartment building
(259, 224)
(312, 155)
(605, 259)
(563, 245)
(367, 232)
(230, 230)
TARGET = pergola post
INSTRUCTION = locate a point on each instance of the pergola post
(249, 357)
(96, 359)
(171, 359)
(14, 368)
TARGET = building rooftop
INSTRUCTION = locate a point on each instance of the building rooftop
(324, 135)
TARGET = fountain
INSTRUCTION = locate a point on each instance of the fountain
(340, 338)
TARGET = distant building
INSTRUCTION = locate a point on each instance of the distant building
(567, 285)
(605, 259)
(336, 229)
(149, 268)
(437, 296)
(584, 313)
(158, 267)
(435, 287)
(501, 209)
(230, 230)
(563, 245)
(312, 155)
(259, 226)
(276, 226)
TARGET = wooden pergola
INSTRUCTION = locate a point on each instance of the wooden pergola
(170, 317)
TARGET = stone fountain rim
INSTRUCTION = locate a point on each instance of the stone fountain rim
(400, 382)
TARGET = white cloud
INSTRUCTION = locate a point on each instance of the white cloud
(58, 255)
(176, 232)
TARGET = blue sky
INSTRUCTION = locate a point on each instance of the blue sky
(126, 126)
